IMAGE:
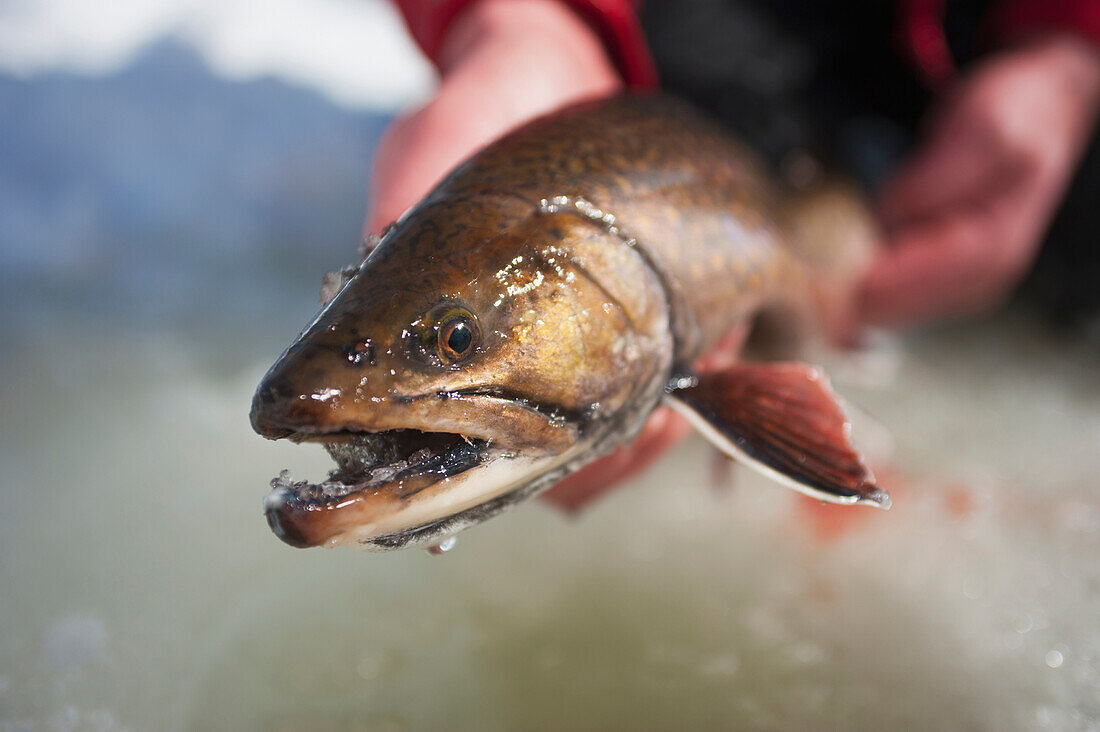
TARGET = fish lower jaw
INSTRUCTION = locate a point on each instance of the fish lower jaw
(380, 518)
(384, 466)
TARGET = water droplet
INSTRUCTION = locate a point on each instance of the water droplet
(444, 546)
(1054, 658)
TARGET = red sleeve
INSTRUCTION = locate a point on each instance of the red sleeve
(615, 21)
(1014, 19)
(924, 41)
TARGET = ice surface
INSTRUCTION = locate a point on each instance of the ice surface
(142, 588)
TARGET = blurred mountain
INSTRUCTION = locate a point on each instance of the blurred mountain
(164, 191)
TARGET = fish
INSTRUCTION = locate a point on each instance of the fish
(536, 306)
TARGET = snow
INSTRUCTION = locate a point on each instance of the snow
(137, 551)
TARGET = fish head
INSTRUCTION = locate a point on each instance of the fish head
(471, 357)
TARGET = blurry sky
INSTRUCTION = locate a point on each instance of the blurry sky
(355, 52)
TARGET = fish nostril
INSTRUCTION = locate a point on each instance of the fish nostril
(360, 353)
(263, 414)
(297, 393)
(275, 408)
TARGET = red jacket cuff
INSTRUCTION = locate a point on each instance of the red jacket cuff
(615, 21)
(1015, 19)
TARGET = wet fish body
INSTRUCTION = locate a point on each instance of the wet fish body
(530, 313)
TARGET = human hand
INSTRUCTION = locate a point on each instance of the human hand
(964, 217)
(502, 62)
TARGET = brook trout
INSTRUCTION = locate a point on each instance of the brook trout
(529, 314)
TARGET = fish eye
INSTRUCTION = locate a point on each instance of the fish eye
(458, 336)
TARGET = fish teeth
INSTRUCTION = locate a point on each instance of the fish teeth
(365, 462)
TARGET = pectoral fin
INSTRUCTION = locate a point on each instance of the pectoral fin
(783, 420)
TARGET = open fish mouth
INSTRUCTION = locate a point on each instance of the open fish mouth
(381, 470)
(414, 474)
(405, 461)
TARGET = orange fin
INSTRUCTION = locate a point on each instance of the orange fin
(783, 420)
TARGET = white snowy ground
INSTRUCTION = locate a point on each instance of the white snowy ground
(142, 589)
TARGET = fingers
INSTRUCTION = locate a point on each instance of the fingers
(726, 353)
(407, 162)
(964, 218)
(419, 149)
(930, 270)
(959, 161)
(510, 62)
(967, 259)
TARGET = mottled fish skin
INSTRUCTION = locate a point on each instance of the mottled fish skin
(696, 201)
(601, 249)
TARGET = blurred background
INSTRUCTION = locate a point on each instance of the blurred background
(175, 178)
